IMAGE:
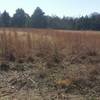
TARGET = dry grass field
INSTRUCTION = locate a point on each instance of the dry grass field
(38, 64)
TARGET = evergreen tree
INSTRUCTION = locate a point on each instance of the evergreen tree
(38, 19)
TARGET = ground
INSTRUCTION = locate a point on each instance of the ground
(49, 65)
(37, 81)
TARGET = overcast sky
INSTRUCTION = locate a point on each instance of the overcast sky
(53, 7)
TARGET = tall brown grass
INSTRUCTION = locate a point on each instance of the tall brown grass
(23, 43)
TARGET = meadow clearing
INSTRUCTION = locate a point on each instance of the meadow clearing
(46, 64)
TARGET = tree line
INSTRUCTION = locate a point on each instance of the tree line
(39, 20)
